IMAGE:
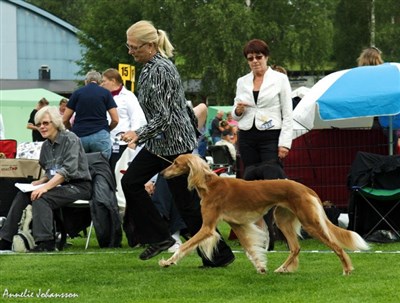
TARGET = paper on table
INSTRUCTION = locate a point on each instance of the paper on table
(27, 187)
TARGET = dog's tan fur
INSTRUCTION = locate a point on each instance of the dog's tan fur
(242, 203)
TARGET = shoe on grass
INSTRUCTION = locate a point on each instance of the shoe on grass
(156, 248)
(224, 263)
(44, 246)
(5, 245)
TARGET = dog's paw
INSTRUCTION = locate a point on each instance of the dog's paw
(165, 263)
(347, 272)
(262, 271)
(282, 270)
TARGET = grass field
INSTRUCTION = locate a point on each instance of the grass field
(117, 275)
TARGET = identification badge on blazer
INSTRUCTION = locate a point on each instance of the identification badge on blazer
(267, 125)
(115, 147)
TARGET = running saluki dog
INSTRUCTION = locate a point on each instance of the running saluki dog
(242, 203)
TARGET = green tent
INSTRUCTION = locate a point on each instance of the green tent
(16, 105)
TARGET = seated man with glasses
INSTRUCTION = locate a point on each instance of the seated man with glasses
(67, 179)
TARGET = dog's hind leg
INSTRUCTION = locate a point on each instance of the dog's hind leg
(253, 238)
(322, 232)
(331, 242)
(290, 227)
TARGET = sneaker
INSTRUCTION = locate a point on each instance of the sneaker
(44, 246)
(5, 245)
(177, 244)
(176, 236)
(222, 264)
(156, 248)
(174, 247)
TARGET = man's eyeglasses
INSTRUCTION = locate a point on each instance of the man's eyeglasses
(134, 48)
(257, 57)
(44, 123)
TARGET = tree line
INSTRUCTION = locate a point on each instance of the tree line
(305, 36)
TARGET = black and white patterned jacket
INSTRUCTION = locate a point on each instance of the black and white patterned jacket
(169, 130)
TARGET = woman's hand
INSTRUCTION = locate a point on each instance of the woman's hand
(132, 145)
(40, 181)
(36, 194)
(282, 152)
(37, 182)
(129, 136)
(150, 187)
(240, 108)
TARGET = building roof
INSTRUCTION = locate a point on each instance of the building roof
(45, 14)
(56, 47)
(63, 87)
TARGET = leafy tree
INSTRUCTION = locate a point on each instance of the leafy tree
(387, 19)
(71, 11)
(104, 33)
(353, 31)
(299, 32)
(312, 41)
(102, 26)
(209, 37)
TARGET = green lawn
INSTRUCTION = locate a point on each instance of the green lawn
(117, 275)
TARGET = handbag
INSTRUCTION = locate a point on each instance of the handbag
(23, 241)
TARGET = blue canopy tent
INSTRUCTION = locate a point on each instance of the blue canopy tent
(366, 91)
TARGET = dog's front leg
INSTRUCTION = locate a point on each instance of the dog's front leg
(174, 258)
(190, 245)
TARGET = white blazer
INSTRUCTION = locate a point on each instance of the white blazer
(274, 105)
(130, 113)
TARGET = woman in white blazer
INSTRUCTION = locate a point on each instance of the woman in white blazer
(263, 109)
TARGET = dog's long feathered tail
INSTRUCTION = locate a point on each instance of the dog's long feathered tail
(348, 239)
(345, 238)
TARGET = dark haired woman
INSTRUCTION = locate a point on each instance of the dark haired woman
(263, 109)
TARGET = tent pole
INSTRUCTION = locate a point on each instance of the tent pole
(390, 135)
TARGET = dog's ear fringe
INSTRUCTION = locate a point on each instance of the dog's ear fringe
(199, 169)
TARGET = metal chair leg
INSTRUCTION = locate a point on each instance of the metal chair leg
(88, 235)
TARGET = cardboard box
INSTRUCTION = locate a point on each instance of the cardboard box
(20, 168)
